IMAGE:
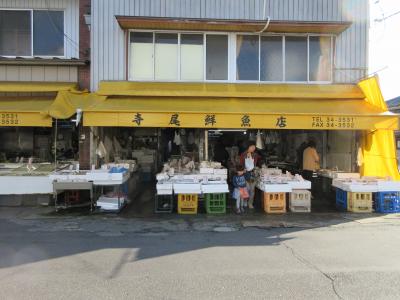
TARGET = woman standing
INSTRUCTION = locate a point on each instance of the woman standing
(250, 159)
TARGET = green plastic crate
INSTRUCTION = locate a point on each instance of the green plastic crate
(215, 203)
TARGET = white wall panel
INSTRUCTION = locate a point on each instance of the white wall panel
(108, 40)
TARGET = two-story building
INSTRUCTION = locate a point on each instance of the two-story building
(287, 70)
(187, 77)
(44, 59)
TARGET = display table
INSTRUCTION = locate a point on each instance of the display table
(90, 180)
(17, 179)
(372, 185)
(25, 185)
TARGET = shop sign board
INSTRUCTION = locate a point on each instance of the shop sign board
(242, 121)
(21, 119)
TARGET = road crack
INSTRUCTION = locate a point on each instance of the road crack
(312, 266)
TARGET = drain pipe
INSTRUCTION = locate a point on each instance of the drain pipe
(268, 19)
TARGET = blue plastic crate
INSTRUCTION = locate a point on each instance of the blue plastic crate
(341, 200)
(387, 202)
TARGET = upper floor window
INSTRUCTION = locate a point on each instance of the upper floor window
(31, 33)
(284, 58)
(178, 56)
(170, 56)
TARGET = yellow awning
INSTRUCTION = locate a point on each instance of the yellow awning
(67, 103)
(283, 113)
(25, 111)
(36, 87)
(227, 90)
(39, 111)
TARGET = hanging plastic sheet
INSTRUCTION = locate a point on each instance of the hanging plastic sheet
(378, 147)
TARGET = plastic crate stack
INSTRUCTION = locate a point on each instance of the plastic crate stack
(387, 202)
(187, 204)
(367, 194)
(274, 203)
(215, 203)
(300, 201)
(357, 202)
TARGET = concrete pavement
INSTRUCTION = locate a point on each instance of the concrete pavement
(321, 256)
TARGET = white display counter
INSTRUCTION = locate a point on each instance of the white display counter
(25, 185)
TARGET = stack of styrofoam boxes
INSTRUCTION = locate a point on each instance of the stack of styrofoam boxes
(214, 180)
(111, 203)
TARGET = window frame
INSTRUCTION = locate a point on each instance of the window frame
(31, 10)
(232, 48)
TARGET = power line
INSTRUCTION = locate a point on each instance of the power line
(73, 43)
(385, 18)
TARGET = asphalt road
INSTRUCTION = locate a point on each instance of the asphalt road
(344, 261)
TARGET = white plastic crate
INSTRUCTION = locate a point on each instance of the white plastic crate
(300, 201)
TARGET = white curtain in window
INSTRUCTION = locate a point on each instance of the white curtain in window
(192, 62)
(192, 57)
(142, 61)
(325, 68)
(166, 56)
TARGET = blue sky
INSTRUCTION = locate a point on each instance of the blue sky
(384, 49)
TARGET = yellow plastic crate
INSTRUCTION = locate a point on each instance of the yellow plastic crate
(274, 203)
(187, 204)
(359, 202)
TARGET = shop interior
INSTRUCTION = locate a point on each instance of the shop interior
(185, 149)
(19, 144)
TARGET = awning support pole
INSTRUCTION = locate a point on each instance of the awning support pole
(206, 145)
(55, 145)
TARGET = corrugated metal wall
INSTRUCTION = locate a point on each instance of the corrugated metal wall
(108, 40)
(39, 73)
(71, 18)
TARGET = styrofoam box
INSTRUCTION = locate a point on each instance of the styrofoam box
(300, 185)
(359, 188)
(275, 188)
(206, 171)
(165, 192)
(187, 188)
(164, 189)
(68, 177)
(215, 188)
(108, 203)
(162, 176)
(217, 177)
(342, 175)
(101, 175)
(337, 184)
(220, 171)
(388, 186)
